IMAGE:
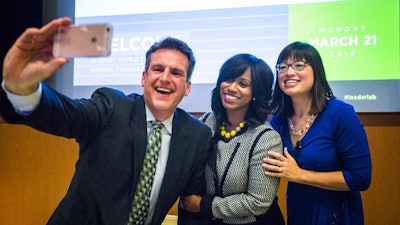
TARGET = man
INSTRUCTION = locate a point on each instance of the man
(111, 130)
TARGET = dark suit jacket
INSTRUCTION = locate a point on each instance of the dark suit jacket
(111, 130)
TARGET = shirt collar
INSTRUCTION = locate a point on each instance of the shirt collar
(167, 123)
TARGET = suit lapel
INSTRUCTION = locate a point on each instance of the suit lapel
(177, 154)
(138, 125)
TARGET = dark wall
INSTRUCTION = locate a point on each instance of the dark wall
(15, 17)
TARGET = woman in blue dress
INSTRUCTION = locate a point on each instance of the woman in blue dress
(326, 157)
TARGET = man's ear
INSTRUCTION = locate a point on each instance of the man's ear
(188, 88)
(143, 78)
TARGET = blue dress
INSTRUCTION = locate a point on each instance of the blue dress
(336, 141)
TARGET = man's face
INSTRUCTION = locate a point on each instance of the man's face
(165, 82)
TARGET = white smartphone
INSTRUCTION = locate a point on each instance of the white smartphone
(89, 40)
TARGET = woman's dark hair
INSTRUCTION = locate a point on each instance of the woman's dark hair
(262, 79)
(176, 44)
(321, 91)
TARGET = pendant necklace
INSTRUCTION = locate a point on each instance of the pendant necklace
(301, 131)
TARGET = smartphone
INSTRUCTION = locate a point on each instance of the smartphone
(91, 40)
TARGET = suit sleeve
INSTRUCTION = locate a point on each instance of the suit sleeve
(60, 115)
(196, 185)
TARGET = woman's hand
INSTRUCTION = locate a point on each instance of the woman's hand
(191, 203)
(284, 166)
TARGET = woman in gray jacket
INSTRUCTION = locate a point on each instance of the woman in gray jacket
(238, 192)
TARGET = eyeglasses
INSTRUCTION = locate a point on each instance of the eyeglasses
(296, 66)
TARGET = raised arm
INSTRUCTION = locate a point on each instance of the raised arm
(30, 60)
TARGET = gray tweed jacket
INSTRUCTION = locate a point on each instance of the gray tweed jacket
(235, 176)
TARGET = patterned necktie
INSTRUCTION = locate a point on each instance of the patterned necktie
(141, 200)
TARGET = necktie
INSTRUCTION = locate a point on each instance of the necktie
(141, 200)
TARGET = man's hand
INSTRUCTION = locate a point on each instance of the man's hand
(30, 60)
